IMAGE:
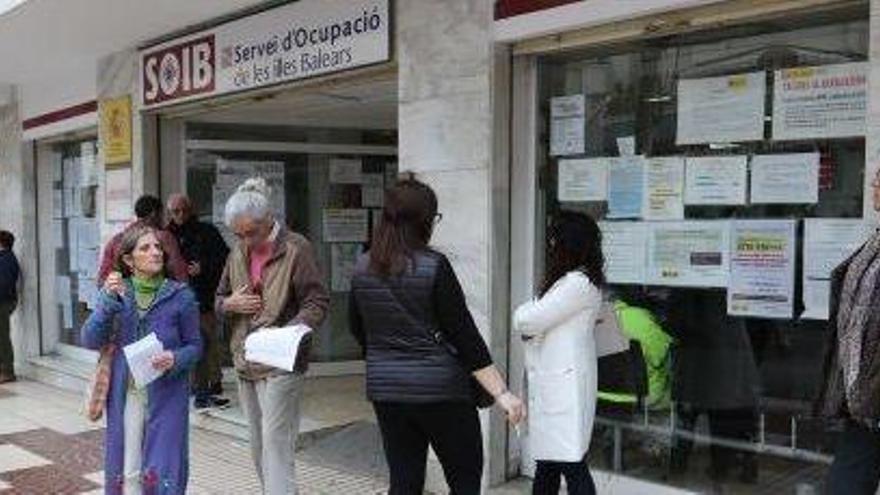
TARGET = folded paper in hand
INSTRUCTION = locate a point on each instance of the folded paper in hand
(139, 356)
(276, 347)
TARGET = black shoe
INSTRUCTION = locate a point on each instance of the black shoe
(216, 388)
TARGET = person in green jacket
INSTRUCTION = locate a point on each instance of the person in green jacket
(639, 324)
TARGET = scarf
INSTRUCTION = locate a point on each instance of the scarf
(145, 290)
(854, 311)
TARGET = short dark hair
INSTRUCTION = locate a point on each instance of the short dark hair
(7, 240)
(146, 206)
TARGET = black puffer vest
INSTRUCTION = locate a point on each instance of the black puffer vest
(405, 362)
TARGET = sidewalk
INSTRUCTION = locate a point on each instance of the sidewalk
(47, 447)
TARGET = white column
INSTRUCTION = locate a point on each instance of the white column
(446, 119)
(18, 215)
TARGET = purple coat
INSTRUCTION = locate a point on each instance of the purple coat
(174, 317)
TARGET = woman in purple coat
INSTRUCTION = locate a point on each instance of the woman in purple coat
(146, 445)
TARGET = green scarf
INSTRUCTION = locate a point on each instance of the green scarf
(145, 290)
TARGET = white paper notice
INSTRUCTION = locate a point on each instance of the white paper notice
(625, 245)
(762, 268)
(345, 225)
(87, 263)
(716, 180)
(583, 180)
(785, 179)
(664, 188)
(567, 136)
(373, 191)
(626, 145)
(342, 261)
(117, 194)
(346, 171)
(139, 356)
(721, 109)
(827, 243)
(88, 291)
(688, 254)
(828, 101)
(567, 125)
(276, 347)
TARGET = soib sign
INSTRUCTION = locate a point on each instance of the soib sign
(296, 41)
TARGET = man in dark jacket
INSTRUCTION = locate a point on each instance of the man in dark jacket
(9, 277)
(205, 253)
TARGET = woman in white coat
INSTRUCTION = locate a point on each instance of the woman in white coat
(560, 351)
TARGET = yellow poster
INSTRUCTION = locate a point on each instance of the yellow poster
(116, 130)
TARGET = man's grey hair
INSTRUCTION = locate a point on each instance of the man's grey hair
(250, 200)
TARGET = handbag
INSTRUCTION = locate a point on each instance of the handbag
(480, 397)
(99, 384)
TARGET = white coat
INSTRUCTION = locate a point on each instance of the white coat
(561, 366)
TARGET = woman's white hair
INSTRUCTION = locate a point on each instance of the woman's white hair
(251, 200)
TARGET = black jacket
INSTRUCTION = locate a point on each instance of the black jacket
(9, 274)
(202, 243)
(421, 342)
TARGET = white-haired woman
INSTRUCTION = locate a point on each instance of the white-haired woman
(271, 279)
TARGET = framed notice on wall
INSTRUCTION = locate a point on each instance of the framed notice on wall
(115, 114)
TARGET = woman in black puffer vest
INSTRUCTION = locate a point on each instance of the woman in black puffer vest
(423, 350)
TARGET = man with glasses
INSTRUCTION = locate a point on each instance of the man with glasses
(205, 253)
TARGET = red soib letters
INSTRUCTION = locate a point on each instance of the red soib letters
(178, 71)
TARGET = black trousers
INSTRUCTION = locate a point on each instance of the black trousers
(548, 477)
(452, 429)
(856, 466)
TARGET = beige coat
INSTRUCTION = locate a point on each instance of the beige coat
(293, 292)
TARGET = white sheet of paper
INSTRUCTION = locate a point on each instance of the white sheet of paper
(762, 258)
(562, 107)
(345, 225)
(117, 194)
(88, 291)
(139, 357)
(57, 203)
(276, 347)
(791, 178)
(626, 145)
(689, 253)
(716, 180)
(342, 260)
(820, 102)
(827, 243)
(721, 109)
(625, 245)
(567, 136)
(664, 188)
(73, 244)
(583, 180)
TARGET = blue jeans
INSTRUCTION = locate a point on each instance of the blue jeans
(856, 466)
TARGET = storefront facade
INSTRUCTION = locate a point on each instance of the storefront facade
(676, 123)
(620, 112)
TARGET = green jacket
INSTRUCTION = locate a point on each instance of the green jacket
(639, 324)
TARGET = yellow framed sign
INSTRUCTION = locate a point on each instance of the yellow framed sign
(116, 130)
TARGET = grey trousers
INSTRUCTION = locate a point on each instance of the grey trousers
(272, 407)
